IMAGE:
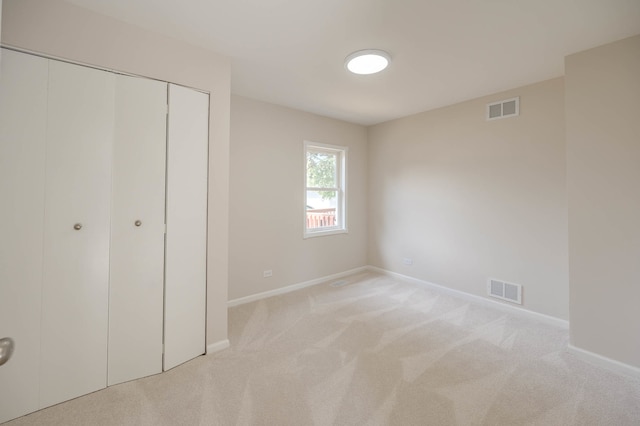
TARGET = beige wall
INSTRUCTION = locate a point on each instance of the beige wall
(59, 29)
(603, 176)
(266, 205)
(468, 199)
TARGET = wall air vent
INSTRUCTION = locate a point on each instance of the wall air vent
(503, 109)
(505, 291)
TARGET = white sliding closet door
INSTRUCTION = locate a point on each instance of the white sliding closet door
(186, 243)
(23, 119)
(76, 261)
(137, 229)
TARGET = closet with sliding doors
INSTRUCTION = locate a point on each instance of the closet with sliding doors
(103, 192)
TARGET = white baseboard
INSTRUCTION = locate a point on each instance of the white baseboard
(547, 319)
(290, 288)
(217, 346)
(604, 362)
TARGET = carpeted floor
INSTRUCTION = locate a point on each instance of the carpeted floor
(375, 351)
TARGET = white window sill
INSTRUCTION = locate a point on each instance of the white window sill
(332, 231)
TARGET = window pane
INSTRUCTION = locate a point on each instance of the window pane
(322, 207)
(321, 170)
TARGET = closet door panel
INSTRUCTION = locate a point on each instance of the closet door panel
(137, 229)
(76, 261)
(23, 119)
(186, 241)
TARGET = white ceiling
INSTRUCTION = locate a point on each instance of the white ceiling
(291, 52)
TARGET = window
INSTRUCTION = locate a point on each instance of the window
(324, 193)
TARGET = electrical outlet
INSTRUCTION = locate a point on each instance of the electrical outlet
(267, 273)
(407, 261)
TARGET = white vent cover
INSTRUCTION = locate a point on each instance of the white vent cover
(505, 291)
(503, 109)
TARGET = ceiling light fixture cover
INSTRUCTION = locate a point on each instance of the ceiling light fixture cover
(369, 61)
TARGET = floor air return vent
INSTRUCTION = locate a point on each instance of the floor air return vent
(505, 291)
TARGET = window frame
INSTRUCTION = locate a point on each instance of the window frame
(341, 189)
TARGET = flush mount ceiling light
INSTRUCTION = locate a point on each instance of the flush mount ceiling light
(369, 61)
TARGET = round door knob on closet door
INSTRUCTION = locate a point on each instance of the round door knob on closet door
(77, 226)
(138, 223)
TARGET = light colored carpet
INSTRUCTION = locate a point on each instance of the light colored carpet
(375, 351)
